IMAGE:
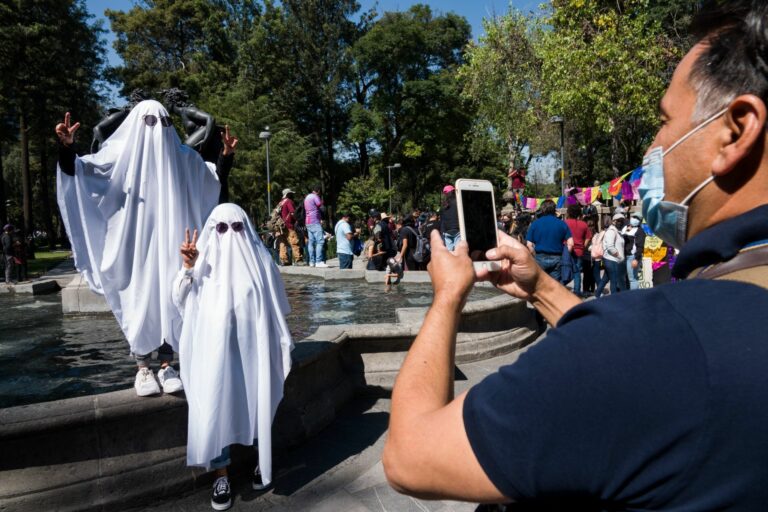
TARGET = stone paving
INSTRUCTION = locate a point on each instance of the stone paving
(339, 470)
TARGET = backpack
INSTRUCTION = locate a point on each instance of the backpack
(423, 249)
(276, 222)
(597, 251)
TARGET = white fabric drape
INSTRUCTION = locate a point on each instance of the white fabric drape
(235, 346)
(122, 210)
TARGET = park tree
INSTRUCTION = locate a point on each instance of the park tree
(410, 110)
(55, 59)
(189, 44)
(604, 66)
(502, 79)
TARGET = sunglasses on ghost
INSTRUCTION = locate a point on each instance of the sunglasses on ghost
(151, 120)
(222, 227)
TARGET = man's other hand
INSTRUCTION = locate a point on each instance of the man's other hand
(452, 273)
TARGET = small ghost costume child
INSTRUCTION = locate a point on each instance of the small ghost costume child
(122, 209)
(235, 347)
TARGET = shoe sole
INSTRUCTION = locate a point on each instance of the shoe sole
(148, 393)
(221, 506)
(173, 388)
(258, 487)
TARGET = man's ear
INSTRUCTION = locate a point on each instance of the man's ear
(743, 131)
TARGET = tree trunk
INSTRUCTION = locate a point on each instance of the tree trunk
(26, 178)
(330, 192)
(3, 205)
(45, 195)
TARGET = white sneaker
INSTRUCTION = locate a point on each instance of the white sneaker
(321, 265)
(169, 379)
(145, 384)
(311, 264)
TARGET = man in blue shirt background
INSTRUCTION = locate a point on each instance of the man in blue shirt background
(649, 400)
(546, 238)
(344, 235)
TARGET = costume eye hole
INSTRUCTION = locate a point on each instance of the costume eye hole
(222, 227)
(237, 227)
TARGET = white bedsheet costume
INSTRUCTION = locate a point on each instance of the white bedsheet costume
(122, 210)
(235, 347)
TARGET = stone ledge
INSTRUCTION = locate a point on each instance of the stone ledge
(40, 287)
(114, 450)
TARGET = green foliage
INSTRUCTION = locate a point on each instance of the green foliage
(51, 61)
(362, 193)
(603, 69)
(501, 78)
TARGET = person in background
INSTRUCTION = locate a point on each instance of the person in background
(289, 237)
(613, 257)
(344, 237)
(634, 244)
(581, 236)
(408, 240)
(587, 263)
(313, 205)
(546, 238)
(388, 244)
(20, 256)
(449, 218)
(7, 242)
(517, 181)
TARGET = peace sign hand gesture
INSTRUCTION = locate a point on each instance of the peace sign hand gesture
(229, 141)
(65, 132)
(189, 250)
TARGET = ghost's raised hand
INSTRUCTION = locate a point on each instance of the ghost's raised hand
(189, 249)
(66, 131)
(229, 141)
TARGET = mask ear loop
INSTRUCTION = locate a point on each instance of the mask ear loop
(695, 131)
(687, 136)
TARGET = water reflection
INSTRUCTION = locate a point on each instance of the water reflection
(45, 355)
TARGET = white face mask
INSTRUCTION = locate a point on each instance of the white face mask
(668, 220)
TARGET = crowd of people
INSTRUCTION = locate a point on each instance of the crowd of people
(14, 254)
(581, 245)
(650, 400)
(297, 234)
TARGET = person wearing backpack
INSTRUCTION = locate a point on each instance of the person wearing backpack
(409, 240)
(289, 235)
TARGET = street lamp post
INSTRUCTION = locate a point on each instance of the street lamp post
(559, 120)
(266, 135)
(389, 174)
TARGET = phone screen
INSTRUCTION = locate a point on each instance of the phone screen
(479, 222)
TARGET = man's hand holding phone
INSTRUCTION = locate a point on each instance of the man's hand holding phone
(452, 273)
(519, 273)
(521, 277)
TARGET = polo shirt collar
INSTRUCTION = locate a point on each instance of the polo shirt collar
(722, 241)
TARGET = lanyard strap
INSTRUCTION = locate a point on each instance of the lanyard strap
(753, 256)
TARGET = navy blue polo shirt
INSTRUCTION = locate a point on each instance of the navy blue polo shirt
(648, 400)
(548, 234)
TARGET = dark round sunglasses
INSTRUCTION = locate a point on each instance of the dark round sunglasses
(151, 120)
(222, 227)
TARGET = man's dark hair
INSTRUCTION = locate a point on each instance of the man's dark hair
(574, 211)
(735, 60)
(548, 207)
(407, 221)
(317, 187)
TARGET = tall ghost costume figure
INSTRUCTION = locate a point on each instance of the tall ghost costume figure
(122, 208)
(235, 346)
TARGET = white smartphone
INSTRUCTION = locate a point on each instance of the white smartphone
(477, 220)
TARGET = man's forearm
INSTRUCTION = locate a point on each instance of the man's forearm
(552, 299)
(425, 381)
